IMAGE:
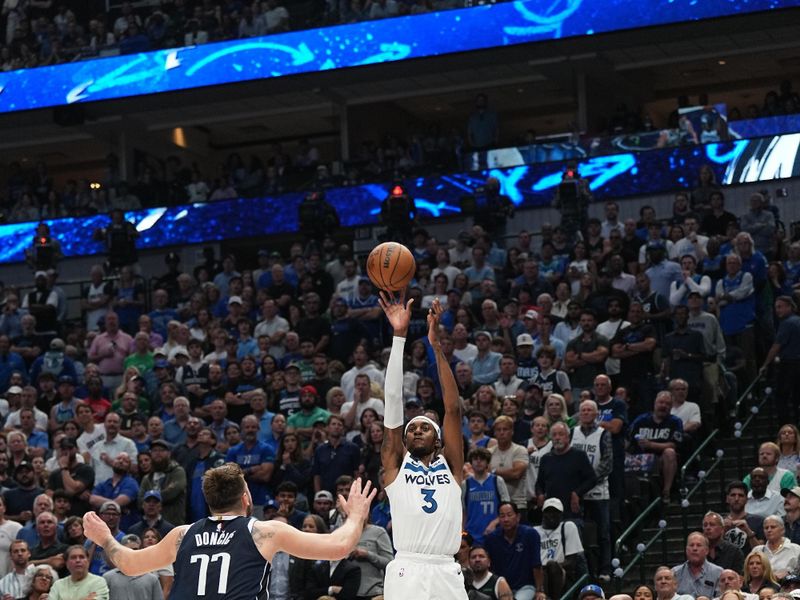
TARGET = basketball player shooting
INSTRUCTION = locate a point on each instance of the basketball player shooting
(422, 469)
(226, 555)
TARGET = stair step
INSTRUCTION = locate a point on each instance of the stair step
(760, 429)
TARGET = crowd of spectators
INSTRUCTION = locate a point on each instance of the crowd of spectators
(584, 365)
(31, 192)
(37, 33)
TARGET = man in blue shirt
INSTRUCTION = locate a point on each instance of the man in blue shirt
(485, 366)
(662, 272)
(256, 460)
(110, 513)
(9, 362)
(787, 347)
(121, 488)
(515, 551)
(335, 457)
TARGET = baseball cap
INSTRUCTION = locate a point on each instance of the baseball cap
(591, 590)
(40, 274)
(484, 333)
(791, 579)
(14, 389)
(413, 402)
(323, 495)
(263, 252)
(455, 291)
(57, 344)
(524, 339)
(655, 245)
(161, 443)
(531, 314)
(532, 384)
(152, 494)
(698, 294)
(364, 279)
(66, 379)
(161, 364)
(292, 366)
(795, 491)
(24, 465)
(234, 300)
(553, 503)
(109, 505)
(306, 389)
(178, 351)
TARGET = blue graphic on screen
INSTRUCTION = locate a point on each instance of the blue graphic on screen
(615, 176)
(352, 45)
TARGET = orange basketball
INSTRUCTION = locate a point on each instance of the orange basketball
(391, 266)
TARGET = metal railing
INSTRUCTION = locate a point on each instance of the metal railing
(686, 493)
(572, 592)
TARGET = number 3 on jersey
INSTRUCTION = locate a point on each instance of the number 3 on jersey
(430, 504)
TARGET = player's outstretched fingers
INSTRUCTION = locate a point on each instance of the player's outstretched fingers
(383, 299)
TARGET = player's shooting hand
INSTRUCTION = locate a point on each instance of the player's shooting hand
(357, 504)
(397, 310)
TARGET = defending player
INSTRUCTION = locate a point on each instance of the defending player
(226, 556)
(422, 474)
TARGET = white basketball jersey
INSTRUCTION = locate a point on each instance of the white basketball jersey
(426, 508)
(591, 446)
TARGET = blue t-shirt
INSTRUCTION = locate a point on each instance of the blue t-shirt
(98, 566)
(198, 509)
(515, 561)
(256, 455)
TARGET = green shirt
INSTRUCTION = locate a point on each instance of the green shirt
(301, 420)
(66, 589)
(143, 363)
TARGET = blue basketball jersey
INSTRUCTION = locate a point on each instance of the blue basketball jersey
(218, 560)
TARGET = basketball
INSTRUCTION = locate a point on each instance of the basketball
(391, 266)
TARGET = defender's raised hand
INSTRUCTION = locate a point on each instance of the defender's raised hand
(358, 501)
(397, 310)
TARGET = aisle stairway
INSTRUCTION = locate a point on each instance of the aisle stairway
(682, 517)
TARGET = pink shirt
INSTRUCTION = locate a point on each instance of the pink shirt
(110, 351)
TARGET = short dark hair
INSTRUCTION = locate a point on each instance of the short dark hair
(480, 453)
(72, 548)
(511, 504)
(223, 487)
(287, 486)
(474, 547)
(736, 485)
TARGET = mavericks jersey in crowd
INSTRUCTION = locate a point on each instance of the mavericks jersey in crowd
(426, 507)
(218, 559)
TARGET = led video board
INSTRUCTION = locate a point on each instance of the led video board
(614, 176)
(366, 43)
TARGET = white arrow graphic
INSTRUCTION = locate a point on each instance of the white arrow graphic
(77, 93)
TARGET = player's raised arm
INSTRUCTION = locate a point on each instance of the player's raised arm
(398, 312)
(274, 536)
(451, 428)
(133, 562)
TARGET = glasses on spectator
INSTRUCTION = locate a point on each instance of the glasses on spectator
(44, 576)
